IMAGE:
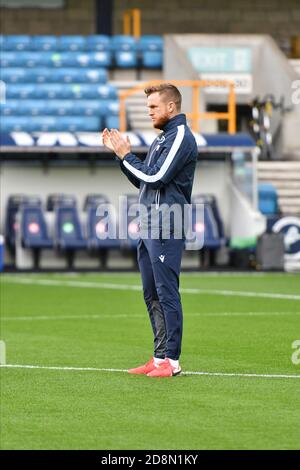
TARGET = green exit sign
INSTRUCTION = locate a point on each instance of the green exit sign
(221, 59)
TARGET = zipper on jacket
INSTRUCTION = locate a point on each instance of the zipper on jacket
(157, 198)
(148, 164)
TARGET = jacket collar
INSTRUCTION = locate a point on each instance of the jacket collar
(174, 122)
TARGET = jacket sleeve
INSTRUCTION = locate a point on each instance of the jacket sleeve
(172, 159)
(135, 181)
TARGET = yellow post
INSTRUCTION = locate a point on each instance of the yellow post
(126, 23)
(136, 14)
(231, 110)
(122, 114)
(195, 125)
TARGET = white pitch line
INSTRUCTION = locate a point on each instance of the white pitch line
(96, 369)
(141, 316)
(132, 287)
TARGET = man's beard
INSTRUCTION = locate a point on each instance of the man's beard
(161, 122)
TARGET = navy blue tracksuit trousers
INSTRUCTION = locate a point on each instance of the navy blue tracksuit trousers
(159, 263)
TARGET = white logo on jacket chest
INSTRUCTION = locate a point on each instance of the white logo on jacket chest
(162, 258)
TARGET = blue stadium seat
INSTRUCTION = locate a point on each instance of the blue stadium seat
(101, 230)
(13, 75)
(90, 107)
(33, 107)
(61, 91)
(44, 43)
(133, 229)
(33, 226)
(25, 75)
(123, 43)
(16, 43)
(126, 59)
(214, 237)
(61, 108)
(50, 124)
(68, 232)
(150, 43)
(267, 199)
(18, 91)
(152, 59)
(112, 122)
(98, 42)
(125, 48)
(34, 233)
(71, 43)
(11, 225)
(11, 107)
(75, 75)
(80, 59)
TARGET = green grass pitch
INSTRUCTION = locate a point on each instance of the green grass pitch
(233, 324)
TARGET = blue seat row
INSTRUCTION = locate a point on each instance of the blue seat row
(55, 59)
(119, 58)
(49, 75)
(68, 234)
(60, 91)
(51, 124)
(80, 43)
(59, 108)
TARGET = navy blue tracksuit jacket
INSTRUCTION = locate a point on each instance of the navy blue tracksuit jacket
(165, 178)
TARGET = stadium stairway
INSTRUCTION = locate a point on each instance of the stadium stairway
(285, 176)
(136, 104)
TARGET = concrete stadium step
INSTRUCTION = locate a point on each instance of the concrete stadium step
(135, 104)
(285, 176)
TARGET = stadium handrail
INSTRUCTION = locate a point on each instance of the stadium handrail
(196, 115)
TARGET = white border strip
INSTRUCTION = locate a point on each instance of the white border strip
(102, 316)
(133, 287)
(96, 369)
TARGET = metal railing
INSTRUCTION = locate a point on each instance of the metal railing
(195, 115)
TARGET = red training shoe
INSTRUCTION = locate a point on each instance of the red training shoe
(165, 369)
(145, 369)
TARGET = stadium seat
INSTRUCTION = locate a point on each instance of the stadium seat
(25, 75)
(126, 59)
(80, 59)
(44, 43)
(16, 43)
(68, 232)
(11, 226)
(20, 91)
(130, 222)
(98, 42)
(212, 226)
(34, 233)
(50, 124)
(125, 48)
(75, 75)
(268, 199)
(152, 59)
(11, 107)
(150, 43)
(112, 122)
(71, 43)
(101, 227)
(151, 48)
